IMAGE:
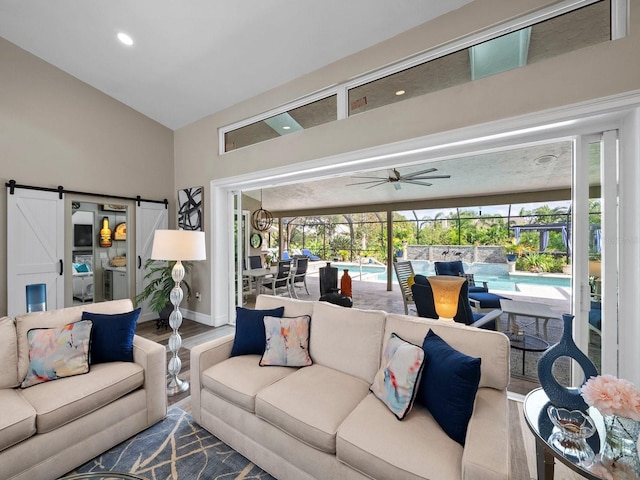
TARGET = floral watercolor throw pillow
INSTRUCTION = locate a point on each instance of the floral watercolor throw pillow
(58, 352)
(396, 381)
(287, 341)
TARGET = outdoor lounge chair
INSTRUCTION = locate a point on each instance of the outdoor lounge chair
(404, 271)
(480, 298)
(307, 253)
(423, 298)
(286, 257)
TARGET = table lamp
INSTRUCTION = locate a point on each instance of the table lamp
(446, 294)
(177, 245)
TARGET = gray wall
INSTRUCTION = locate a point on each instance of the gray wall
(56, 130)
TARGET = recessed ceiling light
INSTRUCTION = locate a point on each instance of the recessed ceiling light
(286, 127)
(126, 39)
(400, 92)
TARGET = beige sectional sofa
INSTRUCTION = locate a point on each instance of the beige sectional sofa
(49, 429)
(321, 421)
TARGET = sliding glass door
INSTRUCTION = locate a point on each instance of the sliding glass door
(595, 230)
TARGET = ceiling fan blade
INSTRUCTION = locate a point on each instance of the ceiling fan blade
(421, 172)
(377, 180)
(428, 177)
(417, 182)
(377, 184)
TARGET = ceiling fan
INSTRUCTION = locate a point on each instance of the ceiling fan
(396, 178)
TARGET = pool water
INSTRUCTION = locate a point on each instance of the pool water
(495, 274)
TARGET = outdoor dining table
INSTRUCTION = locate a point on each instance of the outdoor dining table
(256, 274)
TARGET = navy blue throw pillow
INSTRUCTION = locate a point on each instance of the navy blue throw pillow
(449, 385)
(250, 337)
(112, 336)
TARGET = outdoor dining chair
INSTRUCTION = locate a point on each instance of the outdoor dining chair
(300, 275)
(282, 279)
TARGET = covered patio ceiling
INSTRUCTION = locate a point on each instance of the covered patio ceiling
(539, 172)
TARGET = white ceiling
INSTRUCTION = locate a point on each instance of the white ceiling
(196, 57)
(534, 168)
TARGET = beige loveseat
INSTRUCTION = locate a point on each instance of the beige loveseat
(49, 429)
(321, 421)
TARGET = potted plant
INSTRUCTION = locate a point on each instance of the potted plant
(159, 286)
(270, 258)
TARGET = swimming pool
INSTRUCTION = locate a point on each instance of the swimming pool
(495, 274)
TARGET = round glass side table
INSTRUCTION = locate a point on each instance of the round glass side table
(538, 421)
(101, 476)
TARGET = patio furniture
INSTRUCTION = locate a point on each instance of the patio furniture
(307, 253)
(286, 256)
(257, 276)
(255, 261)
(456, 269)
(538, 311)
(404, 271)
(300, 274)
(282, 279)
(482, 301)
(425, 305)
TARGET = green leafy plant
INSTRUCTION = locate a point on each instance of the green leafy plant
(160, 283)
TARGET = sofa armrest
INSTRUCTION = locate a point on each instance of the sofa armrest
(486, 449)
(202, 357)
(152, 357)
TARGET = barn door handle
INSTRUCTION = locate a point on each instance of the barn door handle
(139, 261)
(61, 267)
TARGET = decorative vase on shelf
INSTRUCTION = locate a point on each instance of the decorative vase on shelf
(620, 450)
(559, 395)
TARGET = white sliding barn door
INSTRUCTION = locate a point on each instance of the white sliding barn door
(149, 218)
(35, 247)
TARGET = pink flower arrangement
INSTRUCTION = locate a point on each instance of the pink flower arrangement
(612, 396)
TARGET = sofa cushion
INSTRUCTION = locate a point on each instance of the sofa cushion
(415, 448)
(8, 353)
(449, 385)
(397, 380)
(60, 402)
(18, 419)
(287, 342)
(311, 403)
(347, 339)
(239, 379)
(58, 318)
(250, 337)
(58, 352)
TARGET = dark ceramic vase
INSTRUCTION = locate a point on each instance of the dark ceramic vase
(559, 395)
(328, 279)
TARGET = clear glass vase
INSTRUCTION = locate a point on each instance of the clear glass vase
(621, 444)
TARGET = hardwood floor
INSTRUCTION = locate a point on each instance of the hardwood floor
(188, 329)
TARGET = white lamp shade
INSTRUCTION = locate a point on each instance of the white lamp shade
(178, 245)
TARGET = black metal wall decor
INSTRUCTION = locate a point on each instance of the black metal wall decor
(190, 209)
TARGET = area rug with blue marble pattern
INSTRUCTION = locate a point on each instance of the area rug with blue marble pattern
(176, 448)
